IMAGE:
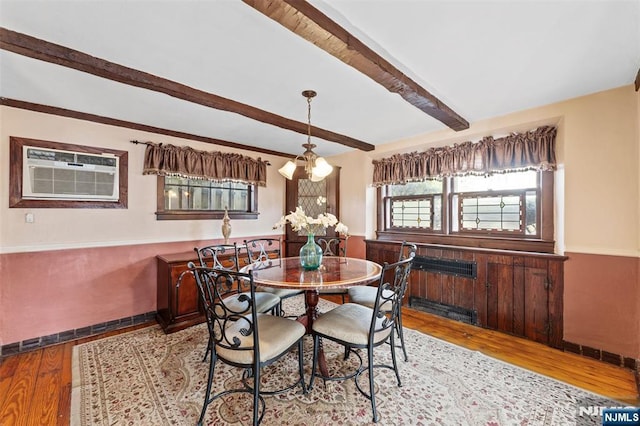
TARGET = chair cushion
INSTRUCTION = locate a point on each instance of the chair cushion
(333, 291)
(276, 335)
(264, 302)
(280, 292)
(366, 296)
(349, 323)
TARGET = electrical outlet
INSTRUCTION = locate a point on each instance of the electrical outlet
(29, 218)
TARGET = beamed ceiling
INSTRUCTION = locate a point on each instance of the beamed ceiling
(231, 72)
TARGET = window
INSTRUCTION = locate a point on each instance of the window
(184, 198)
(416, 205)
(498, 204)
(511, 210)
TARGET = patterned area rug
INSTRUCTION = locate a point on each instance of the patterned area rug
(146, 377)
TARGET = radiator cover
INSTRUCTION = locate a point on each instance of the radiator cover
(457, 313)
(457, 267)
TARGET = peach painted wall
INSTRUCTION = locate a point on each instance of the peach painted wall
(601, 129)
(72, 228)
(602, 302)
(73, 268)
(597, 206)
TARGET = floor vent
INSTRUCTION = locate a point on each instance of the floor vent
(457, 267)
(468, 316)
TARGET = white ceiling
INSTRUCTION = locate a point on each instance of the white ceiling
(481, 58)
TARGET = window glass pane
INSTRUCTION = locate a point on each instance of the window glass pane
(491, 213)
(185, 198)
(411, 213)
(171, 201)
(531, 213)
(437, 213)
(199, 182)
(200, 198)
(312, 199)
(201, 194)
(173, 180)
(497, 182)
(416, 188)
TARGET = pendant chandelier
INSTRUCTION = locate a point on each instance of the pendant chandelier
(316, 167)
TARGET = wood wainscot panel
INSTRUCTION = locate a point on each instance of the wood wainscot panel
(515, 292)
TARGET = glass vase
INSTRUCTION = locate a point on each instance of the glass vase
(310, 254)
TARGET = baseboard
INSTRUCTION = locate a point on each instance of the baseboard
(65, 336)
(604, 356)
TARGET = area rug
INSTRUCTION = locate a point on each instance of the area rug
(146, 377)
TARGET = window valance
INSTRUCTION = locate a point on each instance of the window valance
(532, 150)
(170, 160)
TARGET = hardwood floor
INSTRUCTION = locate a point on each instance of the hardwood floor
(35, 387)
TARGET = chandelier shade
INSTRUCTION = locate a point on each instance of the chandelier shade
(317, 168)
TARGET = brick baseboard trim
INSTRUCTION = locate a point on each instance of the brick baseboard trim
(65, 336)
(608, 357)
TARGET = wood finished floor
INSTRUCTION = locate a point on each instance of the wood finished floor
(35, 387)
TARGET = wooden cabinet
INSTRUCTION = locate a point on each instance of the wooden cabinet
(302, 192)
(178, 300)
(515, 292)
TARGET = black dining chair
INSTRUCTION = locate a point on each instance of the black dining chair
(225, 257)
(243, 337)
(266, 252)
(334, 246)
(357, 326)
(365, 295)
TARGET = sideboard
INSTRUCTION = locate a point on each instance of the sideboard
(511, 291)
(178, 300)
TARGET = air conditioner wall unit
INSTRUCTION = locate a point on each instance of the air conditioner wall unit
(52, 174)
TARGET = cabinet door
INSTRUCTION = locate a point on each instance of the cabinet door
(536, 304)
(500, 293)
(185, 294)
(314, 198)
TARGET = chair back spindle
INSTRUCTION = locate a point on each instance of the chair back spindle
(264, 252)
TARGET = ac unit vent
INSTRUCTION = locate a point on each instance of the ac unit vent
(50, 174)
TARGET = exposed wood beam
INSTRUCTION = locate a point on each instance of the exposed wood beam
(49, 52)
(309, 23)
(47, 109)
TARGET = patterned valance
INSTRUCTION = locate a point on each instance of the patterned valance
(533, 150)
(170, 160)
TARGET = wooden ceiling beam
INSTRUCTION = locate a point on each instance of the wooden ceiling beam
(62, 112)
(303, 19)
(32, 47)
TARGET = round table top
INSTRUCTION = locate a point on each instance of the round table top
(335, 272)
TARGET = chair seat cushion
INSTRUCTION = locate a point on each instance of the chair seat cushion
(349, 323)
(366, 296)
(280, 292)
(276, 335)
(264, 302)
(333, 291)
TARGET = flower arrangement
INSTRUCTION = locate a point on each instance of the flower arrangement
(300, 221)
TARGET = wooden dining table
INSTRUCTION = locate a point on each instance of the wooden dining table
(334, 273)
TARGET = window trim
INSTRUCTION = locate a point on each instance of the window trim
(542, 243)
(162, 214)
